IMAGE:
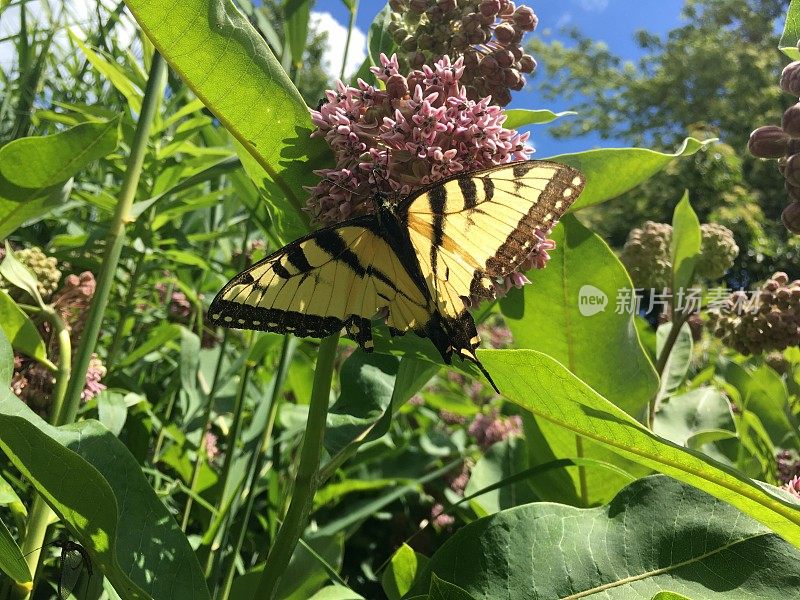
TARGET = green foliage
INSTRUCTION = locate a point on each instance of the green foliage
(178, 476)
(656, 533)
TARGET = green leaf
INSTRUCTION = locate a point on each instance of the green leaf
(336, 592)
(20, 205)
(442, 590)
(610, 172)
(19, 275)
(113, 73)
(12, 562)
(657, 533)
(546, 388)
(569, 313)
(401, 572)
(98, 489)
(224, 60)
(6, 360)
(670, 596)
(520, 117)
(501, 461)
(791, 32)
(685, 246)
(112, 410)
(40, 162)
(156, 340)
(21, 331)
(296, 15)
(680, 359)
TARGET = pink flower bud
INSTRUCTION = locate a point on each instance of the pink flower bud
(790, 78)
(527, 64)
(792, 169)
(791, 121)
(791, 217)
(525, 19)
(769, 141)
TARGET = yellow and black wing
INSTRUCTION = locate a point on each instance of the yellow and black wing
(471, 230)
(341, 276)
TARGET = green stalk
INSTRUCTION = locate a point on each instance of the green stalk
(349, 34)
(116, 235)
(305, 483)
(40, 515)
(124, 312)
(678, 319)
(201, 454)
(258, 457)
(230, 452)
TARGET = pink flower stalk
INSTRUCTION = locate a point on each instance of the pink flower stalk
(420, 129)
(440, 519)
(490, 429)
(210, 441)
(94, 374)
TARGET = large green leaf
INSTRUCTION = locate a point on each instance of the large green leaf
(18, 206)
(570, 312)
(611, 172)
(296, 14)
(94, 484)
(546, 388)
(401, 572)
(502, 461)
(657, 533)
(791, 31)
(40, 162)
(219, 54)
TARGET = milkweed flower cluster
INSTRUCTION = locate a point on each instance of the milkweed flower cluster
(420, 129)
(486, 33)
(488, 429)
(770, 320)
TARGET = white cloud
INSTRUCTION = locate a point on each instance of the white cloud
(593, 5)
(337, 36)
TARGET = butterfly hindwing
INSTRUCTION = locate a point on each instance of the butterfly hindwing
(478, 227)
(336, 277)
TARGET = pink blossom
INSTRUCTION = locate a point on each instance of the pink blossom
(94, 374)
(440, 518)
(490, 429)
(793, 486)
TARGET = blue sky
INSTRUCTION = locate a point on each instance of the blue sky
(611, 21)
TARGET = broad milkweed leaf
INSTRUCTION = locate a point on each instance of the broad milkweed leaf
(105, 500)
(39, 162)
(546, 388)
(21, 331)
(18, 206)
(443, 590)
(610, 172)
(656, 533)
(401, 572)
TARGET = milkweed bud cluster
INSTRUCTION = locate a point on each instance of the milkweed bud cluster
(783, 143)
(769, 320)
(718, 251)
(646, 254)
(44, 267)
(487, 33)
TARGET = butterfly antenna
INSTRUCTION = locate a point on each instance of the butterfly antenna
(488, 377)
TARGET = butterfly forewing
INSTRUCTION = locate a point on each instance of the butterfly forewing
(475, 228)
(335, 277)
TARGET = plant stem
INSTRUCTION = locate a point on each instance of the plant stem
(584, 484)
(230, 452)
(201, 454)
(305, 482)
(116, 235)
(678, 319)
(347, 40)
(257, 459)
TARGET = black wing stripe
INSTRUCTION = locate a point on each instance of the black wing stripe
(298, 259)
(488, 188)
(469, 191)
(437, 199)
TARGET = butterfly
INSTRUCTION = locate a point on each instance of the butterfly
(417, 262)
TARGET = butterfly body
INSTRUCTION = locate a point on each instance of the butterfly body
(416, 262)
